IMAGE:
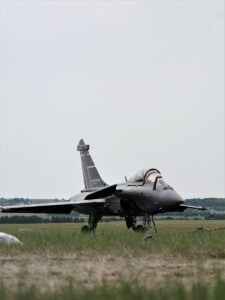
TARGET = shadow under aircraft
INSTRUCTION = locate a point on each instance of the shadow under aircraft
(143, 195)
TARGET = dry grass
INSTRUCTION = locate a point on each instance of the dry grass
(54, 254)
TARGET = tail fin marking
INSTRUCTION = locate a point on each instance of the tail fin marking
(92, 179)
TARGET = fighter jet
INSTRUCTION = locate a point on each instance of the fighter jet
(142, 195)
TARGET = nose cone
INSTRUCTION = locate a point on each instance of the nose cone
(178, 199)
(174, 199)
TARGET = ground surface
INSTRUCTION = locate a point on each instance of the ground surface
(55, 254)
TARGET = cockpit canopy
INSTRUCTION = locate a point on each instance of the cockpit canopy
(150, 175)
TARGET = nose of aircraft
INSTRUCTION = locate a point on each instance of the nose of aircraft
(177, 199)
(172, 199)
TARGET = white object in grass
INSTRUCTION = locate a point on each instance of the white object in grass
(8, 239)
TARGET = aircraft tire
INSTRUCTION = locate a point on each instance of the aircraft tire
(139, 228)
(85, 229)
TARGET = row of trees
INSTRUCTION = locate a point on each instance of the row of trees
(18, 219)
(216, 211)
(23, 219)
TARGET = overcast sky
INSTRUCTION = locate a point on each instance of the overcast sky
(141, 82)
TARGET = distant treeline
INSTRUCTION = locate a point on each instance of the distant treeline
(215, 210)
(215, 206)
(191, 216)
(213, 203)
(26, 201)
(18, 219)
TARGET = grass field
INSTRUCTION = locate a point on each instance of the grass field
(179, 262)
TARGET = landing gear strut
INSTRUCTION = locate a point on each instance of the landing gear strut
(131, 223)
(92, 223)
(146, 224)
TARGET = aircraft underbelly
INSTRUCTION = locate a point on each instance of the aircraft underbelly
(138, 207)
(93, 208)
(103, 208)
(117, 207)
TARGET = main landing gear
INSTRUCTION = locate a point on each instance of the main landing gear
(92, 223)
(131, 223)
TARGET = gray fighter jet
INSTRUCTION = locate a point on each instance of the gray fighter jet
(142, 195)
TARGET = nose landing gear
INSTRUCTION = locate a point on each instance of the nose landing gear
(131, 223)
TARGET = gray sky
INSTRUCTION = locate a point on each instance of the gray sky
(141, 82)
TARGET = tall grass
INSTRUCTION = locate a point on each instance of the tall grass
(173, 238)
(125, 291)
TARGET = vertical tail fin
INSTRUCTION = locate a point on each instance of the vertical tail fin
(92, 179)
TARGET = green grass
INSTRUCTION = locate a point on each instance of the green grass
(125, 291)
(177, 238)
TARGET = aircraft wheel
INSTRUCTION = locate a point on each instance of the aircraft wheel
(139, 228)
(85, 228)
